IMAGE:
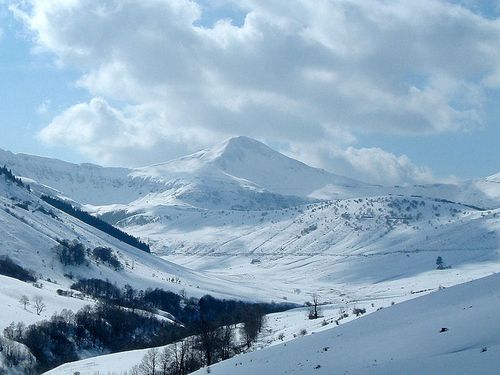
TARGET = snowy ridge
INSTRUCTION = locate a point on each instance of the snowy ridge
(250, 162)
(240, 173)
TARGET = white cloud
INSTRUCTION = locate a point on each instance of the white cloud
(380, 167)
(134, 135)
(372, 165)
(296, 70)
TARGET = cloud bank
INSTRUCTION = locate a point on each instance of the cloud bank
(165, 81)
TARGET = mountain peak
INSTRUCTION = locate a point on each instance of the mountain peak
(237, 148)
(243, 140)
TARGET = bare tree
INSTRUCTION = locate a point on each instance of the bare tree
(39, 305)
(252, 325)
(165, 362)
(314, 310)
(208, 340)
(24, 300)
(226, 342)
(135, 370)
(149, 363)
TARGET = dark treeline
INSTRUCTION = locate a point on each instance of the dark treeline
(188, 311)
(11, 177)
(125, 319)
(96, 223)
(9, 268)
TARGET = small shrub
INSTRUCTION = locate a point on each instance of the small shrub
(358, 311)
(106, 255)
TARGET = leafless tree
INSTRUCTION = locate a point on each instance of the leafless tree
(226, 342)
(135, 370)
(165, 362)
(314, 310)
(149, 363)
(179, 353)
(39, 305)
(24, 300)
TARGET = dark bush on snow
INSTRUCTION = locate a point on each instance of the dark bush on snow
(70, 253)
(105, 255)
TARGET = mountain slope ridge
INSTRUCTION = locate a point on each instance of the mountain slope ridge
(240, 173)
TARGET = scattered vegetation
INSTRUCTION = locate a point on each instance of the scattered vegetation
(358, 311)
(39, 305)
(16, 356)
(314, 310)
(70, 253)
(440, 265)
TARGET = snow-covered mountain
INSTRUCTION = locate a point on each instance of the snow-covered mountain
(252, 164)
(240, 173)
(241, 208)
(241, 220)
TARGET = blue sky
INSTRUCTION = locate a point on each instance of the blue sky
(27, 81)
(133, 84)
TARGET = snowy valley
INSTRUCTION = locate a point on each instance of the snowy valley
(240, 221)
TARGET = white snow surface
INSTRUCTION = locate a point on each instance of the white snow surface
(243, 213)
(403, 339)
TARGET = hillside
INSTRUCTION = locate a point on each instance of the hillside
(453, 331)
(402, 339)
(241, 221)
(51, 260)
(239, 173)
(30, 230)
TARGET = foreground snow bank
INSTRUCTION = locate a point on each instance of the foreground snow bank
(452, 331)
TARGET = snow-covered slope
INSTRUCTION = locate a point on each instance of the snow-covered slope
(250, 163)
(30, 228)
(382, 246)
(85, 183)
(254, 224)
(453, 331)
(402, 339)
